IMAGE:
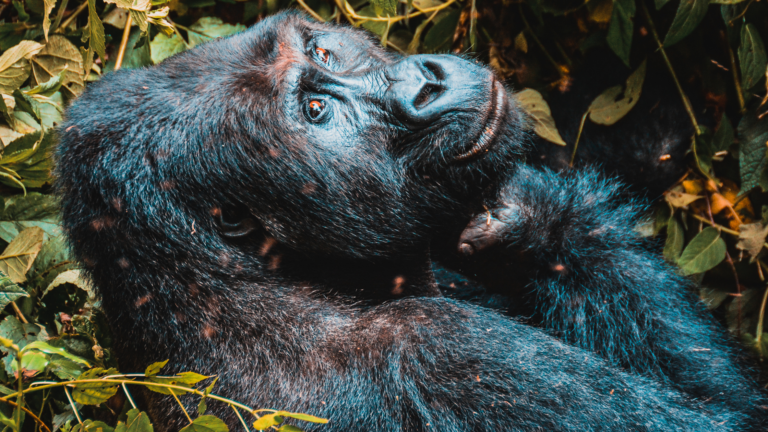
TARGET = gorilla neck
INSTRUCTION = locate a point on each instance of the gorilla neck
(362, 279)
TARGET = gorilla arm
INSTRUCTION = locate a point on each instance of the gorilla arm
(595, 285)
(434, 364)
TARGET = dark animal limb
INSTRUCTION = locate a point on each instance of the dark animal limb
(595, 285)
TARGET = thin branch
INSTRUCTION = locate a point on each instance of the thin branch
(182, 406)
(31, 414)
(74, 407)
(72, 17)
(123, 43)
(686, 102)
(310, 11)
(18, 312)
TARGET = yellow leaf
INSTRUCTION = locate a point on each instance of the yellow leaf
(538, 111)
(18, 257)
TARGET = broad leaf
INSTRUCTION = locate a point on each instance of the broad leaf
(58, 55)
(136, 421)
(163, 46)
(752, 239)
(48, 7)
(48, 349)
(94, 393)
(96, 41)
(538, 111)
(18, 212)
(619, 37)
(154, 368)
(689, 15)
(206, 423)
(183, 379)
(212, 28)
(18, 257)
(673, 246)
(753, 134)
(613, 104)
(703, 253)
(752, 60)
(14, 65)
(9, 291)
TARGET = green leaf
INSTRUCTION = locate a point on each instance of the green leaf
(7, 343)
(65, 369)
(34, 362)
(753, 134)
(660, 3)
(93, 426)
(441, 34)
(290, 428)
(613, 104)
(94, 393)
(74, 277)
(704, 252)
(619, 37)
(206, 423)
(267, 421)
(95, 31)
(18, 257)
(154, 368)
(201, 407)
(752, 60)
(184, 379)
(49, 87)
(538, 111)
(163, 47)
(9, 291)
(689, 15)
(136, 421)
(213, 28)
(59, 55)
(48, 349)
(14, 65)
(673, 246)
(385, 7)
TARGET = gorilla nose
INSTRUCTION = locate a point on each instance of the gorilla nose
(423, 88)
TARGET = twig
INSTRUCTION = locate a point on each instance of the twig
(181, 405)
(31, 414)
(736, 80)
(74, 407)
(686, 102)
(128, 394)
(59, 15)
(759, 329)
(72, 17)
(18, 312)
(310, 11)
(123, 43)
(245, 425)
(578, 136)
(742, 13)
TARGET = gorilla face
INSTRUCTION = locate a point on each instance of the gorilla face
(322, 138)
(382, 144)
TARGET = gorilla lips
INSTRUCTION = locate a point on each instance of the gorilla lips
(488, 136)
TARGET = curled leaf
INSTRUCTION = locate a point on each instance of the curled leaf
(538, 111)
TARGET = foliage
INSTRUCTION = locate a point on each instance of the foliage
(57, 364)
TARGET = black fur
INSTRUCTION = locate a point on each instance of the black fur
(232, 235)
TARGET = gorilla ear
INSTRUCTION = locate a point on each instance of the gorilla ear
(240, 228)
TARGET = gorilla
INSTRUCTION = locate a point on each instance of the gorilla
(272, 208)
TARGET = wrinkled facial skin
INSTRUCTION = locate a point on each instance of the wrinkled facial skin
(331, 144)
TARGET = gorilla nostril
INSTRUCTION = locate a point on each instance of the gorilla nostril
(428, 93)
(433, 71)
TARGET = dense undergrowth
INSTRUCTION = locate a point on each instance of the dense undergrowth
(57, 367)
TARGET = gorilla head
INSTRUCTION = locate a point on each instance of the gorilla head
(327, 141)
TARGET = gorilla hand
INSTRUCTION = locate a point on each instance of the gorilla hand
(590, 279)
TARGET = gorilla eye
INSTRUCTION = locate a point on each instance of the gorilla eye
(323, 54)
(315, 109)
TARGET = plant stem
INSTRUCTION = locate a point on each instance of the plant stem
(59, 15)
(736, 80)
(123, 43)
(310, 11)
(578, 136)
(74, 407)
(18, 312)
(181, 405)
(31, 414)
(686, 102)
(72, 17)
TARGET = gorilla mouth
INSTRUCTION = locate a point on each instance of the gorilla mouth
(489, 134)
